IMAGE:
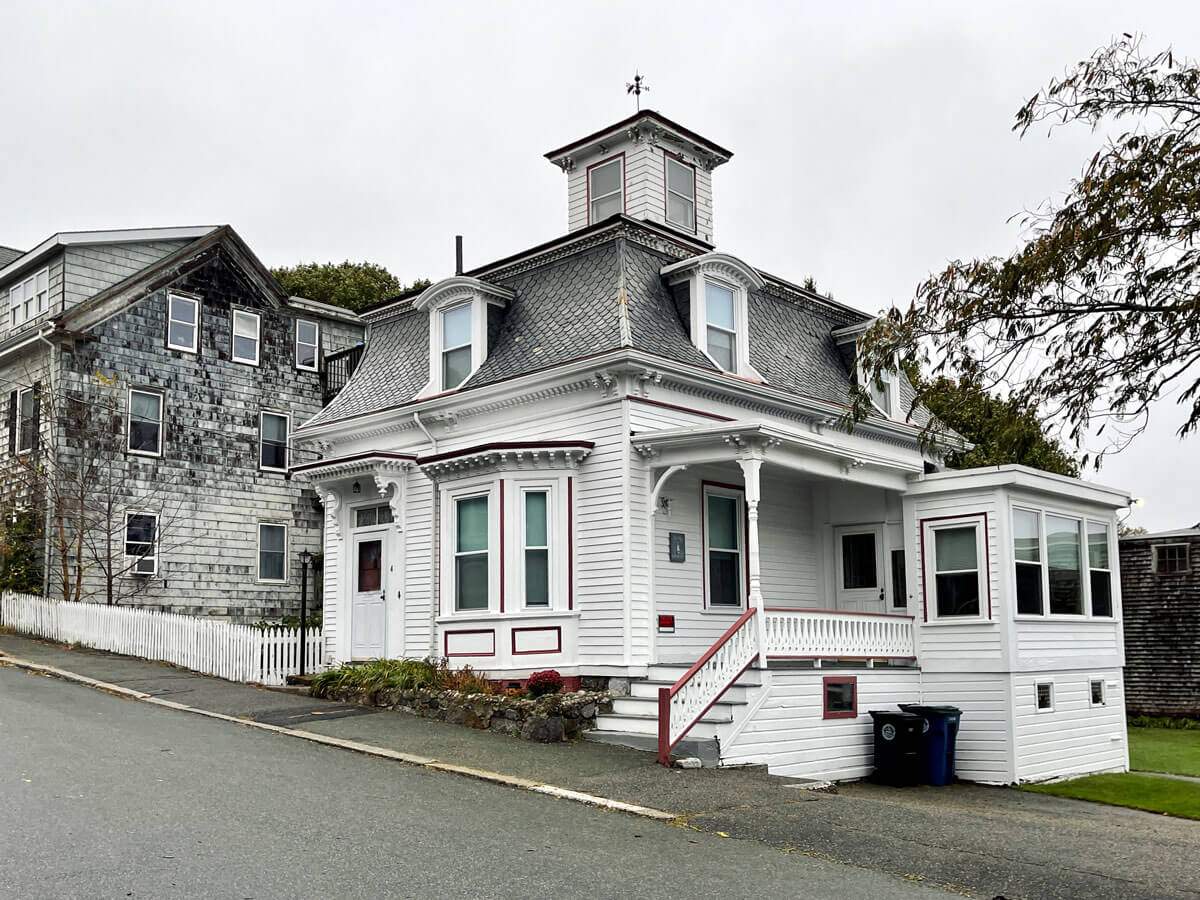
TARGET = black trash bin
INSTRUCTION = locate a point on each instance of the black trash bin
(899, 749)
(940, 731)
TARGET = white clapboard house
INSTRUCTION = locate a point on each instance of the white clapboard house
(617, 455)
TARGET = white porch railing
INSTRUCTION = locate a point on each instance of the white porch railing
(208, 646)
(681, 706)
(816, 634)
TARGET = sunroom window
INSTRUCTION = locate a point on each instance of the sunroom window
(456, 346)
(1065, 565)
(720, 318)
(471, 577)
(956, 569)
(1099, 572)
(605, 190)
(1027, 548)
(681, 194)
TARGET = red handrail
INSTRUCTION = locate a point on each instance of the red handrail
(665, 694)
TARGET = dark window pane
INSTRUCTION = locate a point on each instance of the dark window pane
(182, 335)
(724, 579)
(384, 515)
(1065, 563)
(272, 545)
(245, 348)
(899, 580)
(456, 366)
(958, 595)
(839, 697)
(364, 518)
(858, 561)
(1045, 696)
(370, 571)
(1101, 594)
(1097, 693)
(1066, 592)
(139, 535)
(471, 581)
(274, 441)
(1029, 589)
(143, 436)
(720, 348)
(537, 578)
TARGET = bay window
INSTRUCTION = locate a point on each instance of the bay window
(1063, 565)
(471, 550)
(606, 194)
(536, 554)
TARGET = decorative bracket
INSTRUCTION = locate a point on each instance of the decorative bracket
(394, 483)
(607, 383)
(333, 503)
(644, 380)
(849, 464)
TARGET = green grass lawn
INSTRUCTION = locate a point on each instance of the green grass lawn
(1175, 750)
(1133, 789)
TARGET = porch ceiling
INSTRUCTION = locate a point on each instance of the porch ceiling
(814, 454)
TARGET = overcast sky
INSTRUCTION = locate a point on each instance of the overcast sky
(872, 142)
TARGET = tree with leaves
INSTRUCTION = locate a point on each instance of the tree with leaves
(1097, 315)
(347, 284)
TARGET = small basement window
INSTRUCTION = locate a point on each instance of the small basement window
(1169, 559)
(1045, 696)
(841, 697)
(1097, 692)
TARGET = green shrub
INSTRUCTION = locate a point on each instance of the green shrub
(1161, 722)
(374, 676)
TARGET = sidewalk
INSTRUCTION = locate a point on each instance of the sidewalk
(982, 841)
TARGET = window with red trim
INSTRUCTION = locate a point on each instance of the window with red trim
(840, 697)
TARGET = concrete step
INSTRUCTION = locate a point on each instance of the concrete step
(737, 695)
(645, 706)
(643, 724)
(704, 749)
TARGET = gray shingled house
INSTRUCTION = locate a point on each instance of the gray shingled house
(151, 379)
(618, 455)
(1160, 581)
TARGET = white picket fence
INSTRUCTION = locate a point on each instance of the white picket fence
(208, 646)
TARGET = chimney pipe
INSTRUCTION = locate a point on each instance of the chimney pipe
(458, 270)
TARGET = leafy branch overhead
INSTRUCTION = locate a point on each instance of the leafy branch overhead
(347, 284)
(1097, 315)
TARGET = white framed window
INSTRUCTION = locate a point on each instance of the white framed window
(1169, 559)
(1030, 561)
(712, 292)
(1096, 692)
(144, 427)
(1043, 696)
(724, 529)
(536, 563)
(141, 543)
(681, 192)
(456, 346)
(308, 345)
(1099, 570)
(606, 189)
(472, 549)
(370, 516)
(26, 424)
(246, 341)
(883, 391)
(272, 552)
(955, 551)
(721, 324)
(183, 323)
(1063, 564)
(29, 298)
(273, 441)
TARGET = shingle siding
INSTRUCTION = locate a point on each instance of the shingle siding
(1162, 631)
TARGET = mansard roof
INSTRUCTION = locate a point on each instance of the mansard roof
(598, 291)
(8, 254)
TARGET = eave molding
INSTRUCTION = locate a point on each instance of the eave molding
(387, 466)
(458, 289)
(504, 458)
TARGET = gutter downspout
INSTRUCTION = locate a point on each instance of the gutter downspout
(47, 523)
(435, 580)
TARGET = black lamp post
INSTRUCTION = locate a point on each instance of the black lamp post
(305, 561)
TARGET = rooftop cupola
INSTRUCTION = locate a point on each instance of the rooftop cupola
(646, 167)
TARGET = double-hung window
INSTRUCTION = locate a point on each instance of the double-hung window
(881, 389)
(26, 420)
(29, 298)
(183, 323)
(1063, 565)
(273, 442)
(472, 528)
(308, 345)
(536, 559)
(141, 543)
(456, 346)
(956, 570)
(1099, 571)
(1027, 548)
(606, 189)
(1064, 561)
(723, 549)
(720, 319)
(145, 422)
(272, 552)
(681, 194)
(246, 337)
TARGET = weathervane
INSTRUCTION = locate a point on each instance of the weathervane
(636, 87)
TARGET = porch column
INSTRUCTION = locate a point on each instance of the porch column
(750, 465)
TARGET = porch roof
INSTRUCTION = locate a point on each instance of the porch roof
(814, 453)
(374, 462)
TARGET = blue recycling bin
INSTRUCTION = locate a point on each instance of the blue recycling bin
(940, 736)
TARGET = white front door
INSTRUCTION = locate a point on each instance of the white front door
(858, 568)
(368, 618)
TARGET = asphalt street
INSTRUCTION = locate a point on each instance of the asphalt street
(107, 798)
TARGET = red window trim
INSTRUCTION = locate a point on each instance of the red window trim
(704, 546)
(587, 176)
(987, 574)
(570, 542)
(838, 679)
(555, 628)
(446, 641)
(502, 529)
(667, 193)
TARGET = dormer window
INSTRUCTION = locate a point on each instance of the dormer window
(883, 387)
(712, 294)
(29, 298)
(459, 309)
(456, 346)
(606, 189)
(882, 392)
(681, 193)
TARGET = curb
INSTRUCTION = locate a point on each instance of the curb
(435, 765)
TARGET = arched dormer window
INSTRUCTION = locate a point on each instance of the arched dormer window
(711, 292)
(458, 310)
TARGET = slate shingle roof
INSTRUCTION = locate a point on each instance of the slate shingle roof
(8, 254)
(597, 299)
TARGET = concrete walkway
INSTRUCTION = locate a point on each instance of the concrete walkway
(984, 842)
